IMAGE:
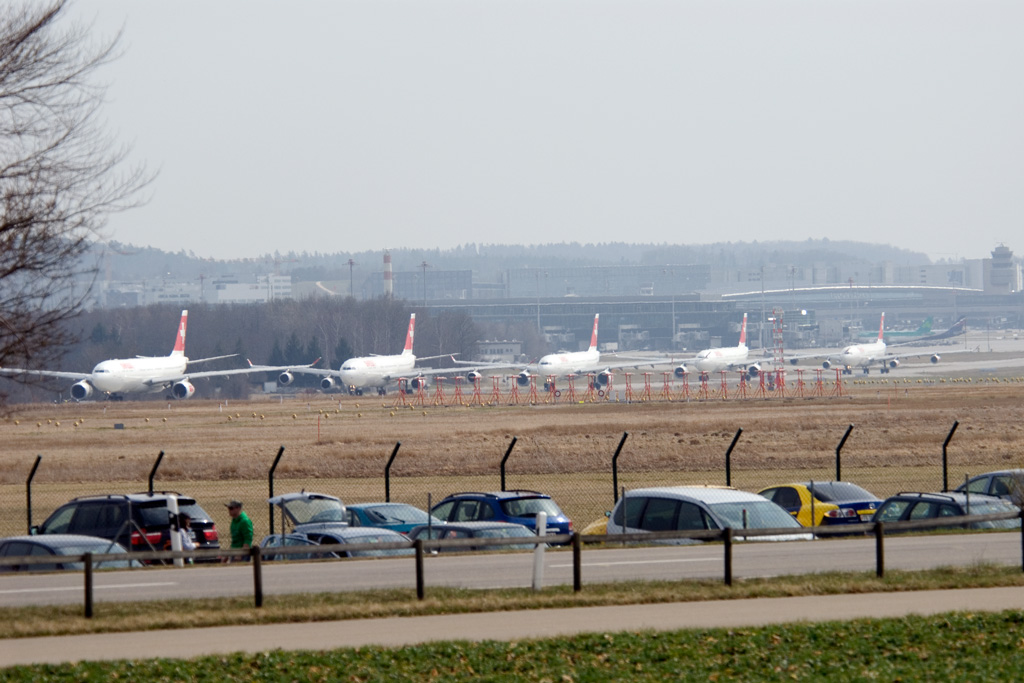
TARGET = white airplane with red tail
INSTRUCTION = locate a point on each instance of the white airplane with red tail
(723, 358)
(365, 372)
(143, 374)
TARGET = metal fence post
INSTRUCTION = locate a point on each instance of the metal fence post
(879, 549)
(257, 574)
(505, 459)
(152, 472)
(727, 545)
(28, 492)
(839, 449)
(577, 576)
(418, 546)
(728, 459)
(945, 461)
(615, 467)
(270, 483)
(387, 473)
(87, 561)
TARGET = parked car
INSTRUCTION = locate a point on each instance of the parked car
(910, 506)
(137, 521)
(57, 545)
(835, 502)
(481, 530)
(694, 508)
(314, 538)
(517, 507)
(1006, 484)
(395, 516)
(306, 510)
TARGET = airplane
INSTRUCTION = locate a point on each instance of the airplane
(358, 374)
(923, 330)
(142, 374)
(876, 352)
(566, 364)
(723, 358)
(955, 330)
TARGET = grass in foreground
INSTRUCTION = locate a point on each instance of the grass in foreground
(119, 617)
(952, 647)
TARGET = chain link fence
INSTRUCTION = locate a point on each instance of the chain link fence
(584, 495)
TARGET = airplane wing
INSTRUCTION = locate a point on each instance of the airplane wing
(45, 373)
(205, 360)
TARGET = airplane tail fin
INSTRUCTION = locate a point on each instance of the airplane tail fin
(593, 335)
(179, 340)
(743, 331)
(881, 328)
(407, 351)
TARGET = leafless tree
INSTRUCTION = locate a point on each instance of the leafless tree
(61, 175)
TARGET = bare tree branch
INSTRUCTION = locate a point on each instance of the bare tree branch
(61, 176)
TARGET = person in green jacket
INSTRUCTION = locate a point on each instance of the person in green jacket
(241, 527)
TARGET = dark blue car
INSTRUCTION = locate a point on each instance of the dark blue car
(517, 507)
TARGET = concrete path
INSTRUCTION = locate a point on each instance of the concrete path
(395, 632)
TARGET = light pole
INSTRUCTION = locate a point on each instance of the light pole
(424, 266)
(351, 288)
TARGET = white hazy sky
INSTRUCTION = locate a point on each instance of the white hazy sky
(348, 126)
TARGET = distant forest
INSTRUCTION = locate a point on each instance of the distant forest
(127, 262)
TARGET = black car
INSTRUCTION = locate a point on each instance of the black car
(138, 521)
(905, 507)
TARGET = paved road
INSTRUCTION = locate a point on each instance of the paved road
(483, 570)
(517, 625)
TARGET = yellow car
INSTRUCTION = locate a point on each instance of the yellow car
(834, 502)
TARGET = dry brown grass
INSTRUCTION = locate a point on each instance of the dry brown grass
(217, 452)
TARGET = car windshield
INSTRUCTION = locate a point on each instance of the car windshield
(396, 514)
(841, 492)
(990, 507)
(377, 538)
(759, 515)
(511, 531)
(529, 507)
(504, 532)
(99, 548)
(306, 510)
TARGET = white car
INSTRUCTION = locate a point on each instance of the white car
(695, 508)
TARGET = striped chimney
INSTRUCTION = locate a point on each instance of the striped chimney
(389, 288)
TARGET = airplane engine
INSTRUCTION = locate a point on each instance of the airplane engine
(935, 358)
(418, 383)
(183, 389)
(827, 364)
(285, 378)
(328, 383)
(754, 370)
(603, 378)
(894, 363)
(523, 379)
(474, 376)
(81, 390)
(794, 361)
(681, 372)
